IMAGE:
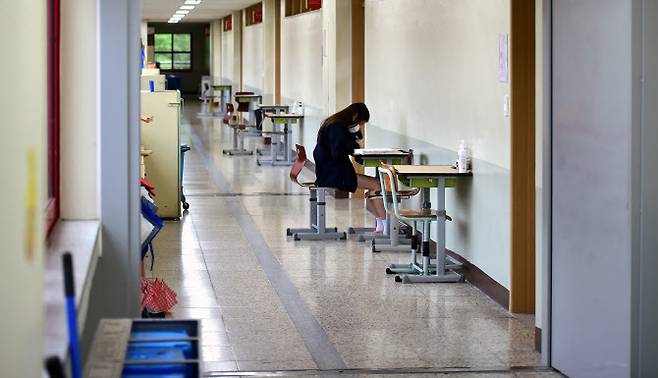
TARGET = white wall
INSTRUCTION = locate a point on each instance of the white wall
(253, 74)
(432, 80)
(216, 48)
(336, 55)
(24, 127)
(79, 116)
(269, 52)
(227, 53)
(237, 58)
(301, 70)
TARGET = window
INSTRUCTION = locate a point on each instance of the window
(254, 14)
(294, 7)
(228, 23)
(173, 51)
(52, 204)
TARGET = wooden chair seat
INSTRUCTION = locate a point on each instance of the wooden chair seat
(409, 213)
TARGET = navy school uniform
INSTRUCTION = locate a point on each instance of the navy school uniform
(333, 168)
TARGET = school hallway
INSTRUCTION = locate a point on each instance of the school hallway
(269, 303)
(482, 200)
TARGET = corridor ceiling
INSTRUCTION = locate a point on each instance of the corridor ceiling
(161, 10)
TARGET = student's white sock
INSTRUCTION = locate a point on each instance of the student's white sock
(380, 225)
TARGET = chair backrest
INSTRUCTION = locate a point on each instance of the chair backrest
(205, 87)
(258, 113)
(388, 179)
(302, 172)
(229, 113)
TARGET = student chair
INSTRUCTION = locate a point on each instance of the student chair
(239, 129)
(205, 95)
(302, 173)
(388, 179)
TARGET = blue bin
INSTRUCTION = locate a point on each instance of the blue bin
(173, 82)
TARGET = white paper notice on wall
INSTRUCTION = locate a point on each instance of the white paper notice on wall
(503, 64)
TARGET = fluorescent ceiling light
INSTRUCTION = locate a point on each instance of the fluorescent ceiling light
(173, 20)
(192, 2)
(182, 12)
(188, 7)
(177, 16)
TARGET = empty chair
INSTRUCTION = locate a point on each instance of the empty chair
(231, 120)
(423, 217)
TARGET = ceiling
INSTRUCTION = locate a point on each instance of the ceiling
(161, 10)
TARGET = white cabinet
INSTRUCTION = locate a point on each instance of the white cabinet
(162, 137)
(158, 82)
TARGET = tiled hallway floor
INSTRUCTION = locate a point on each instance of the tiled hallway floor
(269, 303)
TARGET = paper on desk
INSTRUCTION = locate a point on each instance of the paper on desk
(378, 150)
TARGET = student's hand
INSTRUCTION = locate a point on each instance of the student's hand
(361, 143)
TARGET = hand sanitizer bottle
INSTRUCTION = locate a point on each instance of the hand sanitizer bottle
(463, 158)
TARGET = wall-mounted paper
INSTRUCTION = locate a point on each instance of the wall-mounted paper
(503, 64)
(31, 205)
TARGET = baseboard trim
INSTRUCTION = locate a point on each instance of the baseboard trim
(482, 281)
(478, 278)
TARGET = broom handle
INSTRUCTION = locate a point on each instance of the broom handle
(71, 315)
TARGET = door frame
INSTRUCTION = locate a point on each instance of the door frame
(526, 17)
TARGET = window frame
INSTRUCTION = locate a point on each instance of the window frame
(172, 52)
(52, 212)
(295, 7)
(227, 23)
(254, 14)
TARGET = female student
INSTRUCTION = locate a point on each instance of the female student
(338, 137)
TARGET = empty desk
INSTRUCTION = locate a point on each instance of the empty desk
(426, 177)
(282, 123)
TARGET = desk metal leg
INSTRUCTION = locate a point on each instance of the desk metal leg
(394, 243)
(286, 144)
(441, 274)
(287, 157)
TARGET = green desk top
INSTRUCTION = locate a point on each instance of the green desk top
(262, 106)
(427, 176)
(248, 98)
(281, 118)
(373, 157)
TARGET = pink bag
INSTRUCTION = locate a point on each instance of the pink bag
(157, 296)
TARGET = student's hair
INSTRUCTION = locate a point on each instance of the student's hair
(348, 117)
